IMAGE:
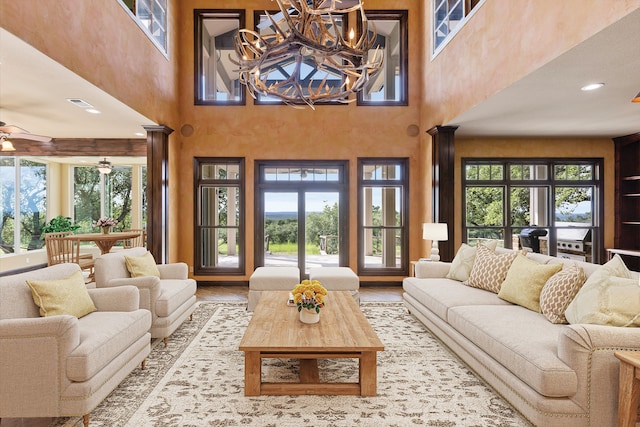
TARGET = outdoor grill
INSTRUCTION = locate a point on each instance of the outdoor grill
(530, 238)
(574, 243)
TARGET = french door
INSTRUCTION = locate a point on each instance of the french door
(301, 214)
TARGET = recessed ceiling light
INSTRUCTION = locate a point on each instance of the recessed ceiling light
(592, 86)
(79, 102)
(92, 111)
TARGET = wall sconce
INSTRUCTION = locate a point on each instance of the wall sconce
(436, 232)
(104, 166)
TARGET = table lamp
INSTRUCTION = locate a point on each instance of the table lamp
(435, 232)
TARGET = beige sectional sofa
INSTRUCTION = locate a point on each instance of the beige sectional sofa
(62, 365)
(555, 374)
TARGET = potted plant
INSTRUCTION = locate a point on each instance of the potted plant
(58, 224)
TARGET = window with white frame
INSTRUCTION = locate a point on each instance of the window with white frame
(447, 16)
(23, 204)
(151, 16)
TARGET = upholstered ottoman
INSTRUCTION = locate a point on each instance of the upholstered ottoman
(271, 279)
(337, 279)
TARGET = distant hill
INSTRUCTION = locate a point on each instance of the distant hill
(275, 216)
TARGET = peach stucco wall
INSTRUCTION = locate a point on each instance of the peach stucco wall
(504, 41)
(344, 132)
(99, 41)
(544, 148)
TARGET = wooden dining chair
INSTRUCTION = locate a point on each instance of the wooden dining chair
(134, 242)
(63, 247)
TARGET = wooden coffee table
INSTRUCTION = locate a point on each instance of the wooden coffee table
(275, 331)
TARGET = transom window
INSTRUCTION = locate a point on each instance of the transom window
(559, 199)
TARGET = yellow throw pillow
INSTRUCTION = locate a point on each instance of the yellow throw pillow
(463, 261)
(140, 266)
(609, 297)
(62, 296)
(525, 280)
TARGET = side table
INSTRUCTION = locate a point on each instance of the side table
(629, 388)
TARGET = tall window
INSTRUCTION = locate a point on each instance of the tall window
(23, 191)
(383, 216)
(559, 199)
(390, 85)
(217, 79)
(219, 231)
(151, 15)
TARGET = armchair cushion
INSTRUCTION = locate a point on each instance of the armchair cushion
(140, 266)
(62, 296)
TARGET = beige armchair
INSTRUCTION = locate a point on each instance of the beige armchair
(61, 365)
(170, 298)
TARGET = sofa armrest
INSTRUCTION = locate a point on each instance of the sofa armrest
(33, 357)
(176, 270)
(121, 298)
(588, 350)
(430, 269)
(148, 289)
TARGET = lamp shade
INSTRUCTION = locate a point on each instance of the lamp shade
(435, 231)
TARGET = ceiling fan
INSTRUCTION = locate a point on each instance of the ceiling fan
(9, 131)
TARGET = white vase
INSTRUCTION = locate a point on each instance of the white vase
(309, 316)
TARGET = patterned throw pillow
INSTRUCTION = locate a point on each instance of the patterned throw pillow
(559, 291)
(525, 280)
(463, 261)
(609, 297)
(490, 269)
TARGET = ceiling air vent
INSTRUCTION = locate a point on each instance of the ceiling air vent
(79, 102)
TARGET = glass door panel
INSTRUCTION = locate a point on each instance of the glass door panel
(280, 229)
(322, 231)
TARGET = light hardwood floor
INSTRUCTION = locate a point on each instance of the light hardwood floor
(229, 293)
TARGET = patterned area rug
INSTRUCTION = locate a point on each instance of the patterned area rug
(198, 381)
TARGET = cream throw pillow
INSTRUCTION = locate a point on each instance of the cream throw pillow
(141, 266)
(463, 261)
(490, 269)
(609, 297)
(62, 296)
(559, 291)
(525, 280)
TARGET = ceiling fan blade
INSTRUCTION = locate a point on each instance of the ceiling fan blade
(30, 136)
(12, 129)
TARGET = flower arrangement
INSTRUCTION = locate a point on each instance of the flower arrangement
(105, 221)
(309, 294)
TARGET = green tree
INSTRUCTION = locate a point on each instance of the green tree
(323, 223)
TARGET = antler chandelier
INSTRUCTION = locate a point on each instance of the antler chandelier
(306, 59)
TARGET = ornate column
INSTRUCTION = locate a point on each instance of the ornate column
(157, 190)
(443, 142)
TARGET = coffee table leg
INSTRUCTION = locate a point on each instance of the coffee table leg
(309, 371)
(368, 373)
(252, 373)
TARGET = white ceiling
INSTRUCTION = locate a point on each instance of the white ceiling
(33, 95)
(548, 102)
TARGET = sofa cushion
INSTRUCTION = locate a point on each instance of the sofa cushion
(103, 336)
(609, 297)
(439, 295)
(559, 291)
(490, 269)
(173, 294)
(525, 280)
(463, 261)
(67, 295)
(522, 341)
(141, 266)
